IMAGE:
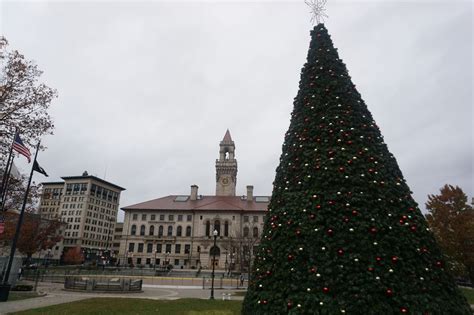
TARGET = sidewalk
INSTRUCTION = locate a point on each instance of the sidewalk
(55, 295)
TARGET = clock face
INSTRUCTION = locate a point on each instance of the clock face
(225, 181)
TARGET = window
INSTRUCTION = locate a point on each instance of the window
(177, 248)
(143, 217)
(160, 231)
(162, 217)
(149, 247)
(159, 248)
(176, 262)
(153, 217)
(131, 247)
(187, 248)
(148, 261)
(246, 231)
(189, 217)
(179, 231)
(217, 227)
(188, 231)
(255, 218)
(255, 232)
(152, 229)
(168, 248)
(170, 231)
(246, 218)
(157, 261)
(180, 217)
(226, 228)
(134, 230)
(170, 217)
(140, 247)
(139, 261)
(142, 230)
(135, 216)
(208, 228)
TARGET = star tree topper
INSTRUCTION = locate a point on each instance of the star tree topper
(317, 10)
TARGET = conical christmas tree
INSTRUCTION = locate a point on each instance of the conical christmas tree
(342, 233)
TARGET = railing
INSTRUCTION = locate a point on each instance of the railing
(103, 284)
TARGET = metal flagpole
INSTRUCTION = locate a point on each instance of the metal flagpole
(20, 221)
(6, 174)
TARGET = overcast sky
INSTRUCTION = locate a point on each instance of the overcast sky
(148, 89)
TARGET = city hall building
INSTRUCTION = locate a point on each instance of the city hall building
(178, 229)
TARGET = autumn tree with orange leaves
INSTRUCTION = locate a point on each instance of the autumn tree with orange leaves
(36, 234)
(73, 256)
(451, 218)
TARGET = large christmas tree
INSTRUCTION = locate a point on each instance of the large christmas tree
(343, 233)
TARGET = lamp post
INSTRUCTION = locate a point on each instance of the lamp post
(154, 262)
(213, 263)
(226, 264)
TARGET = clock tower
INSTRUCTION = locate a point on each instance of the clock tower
(226, 167)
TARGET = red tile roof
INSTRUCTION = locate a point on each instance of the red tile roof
(206, 203)
(227, 137)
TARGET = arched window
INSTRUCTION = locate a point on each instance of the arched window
(246, 231)
(134, 230)
(179, 231)
(215, 250)
(188, 231)
(217, 227)
(142, 230)
(160, 231)
(255, 232)
(226, 228)
(208, 228)
(152, 229)
(170, 230)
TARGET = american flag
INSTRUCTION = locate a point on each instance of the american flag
(19, 147)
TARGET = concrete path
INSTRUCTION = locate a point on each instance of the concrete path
(55, 295)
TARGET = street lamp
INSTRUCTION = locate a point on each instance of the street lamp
(213, 262)
(226, 263)
(154, 262)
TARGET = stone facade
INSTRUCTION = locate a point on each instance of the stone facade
(88, 205)
(178, 229)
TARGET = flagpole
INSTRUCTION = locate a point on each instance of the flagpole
(20, 221)
(6, 174)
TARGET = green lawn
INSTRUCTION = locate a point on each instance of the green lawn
(19, 295)
(142, 306)
(469, 294)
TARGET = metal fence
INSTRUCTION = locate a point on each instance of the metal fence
(103, 284)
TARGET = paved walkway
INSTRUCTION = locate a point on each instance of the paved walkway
(55, 295)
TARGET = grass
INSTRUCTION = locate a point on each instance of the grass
(19, 295)
(469, 294)
(105, 306)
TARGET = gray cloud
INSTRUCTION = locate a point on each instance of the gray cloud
(148, 89)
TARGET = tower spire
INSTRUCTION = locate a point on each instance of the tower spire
(226, 167)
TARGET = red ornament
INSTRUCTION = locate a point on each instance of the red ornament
(326, 290)
(394, 259)
(290, 257)
(378, 259)
(373, 230)
(340, 252)
(439, 264)
(341, 169)
(330, 232)
(298, 232)
(289, 305)
(413, 228)
(318, 206)
(312, 216)
(349, 142)
(370, 269)
(265, 302)
(403, 310)
(389, 292)
(268, 272)
(313, 269)
(354, 212)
